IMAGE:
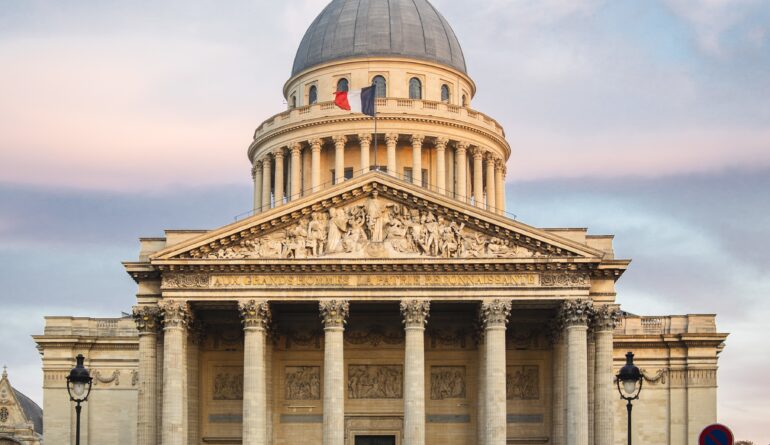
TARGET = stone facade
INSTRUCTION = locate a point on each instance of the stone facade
(397, 301)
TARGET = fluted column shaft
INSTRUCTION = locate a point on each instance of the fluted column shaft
(441, 165)
(257, 172)
(417, 159)
(391, 140)
(494, 316)
(478, 177)
(315, 164)
(499, 186)
(491, 191)
(481, 392)
(176, 319)
(266, 180)
(255, 315)
(334, 314)
(147, 320)
(605, 321)
(450, 173)
(296, 172)
(279, 179)
(415, 314)
(558, 429)
(574, 316)
(339, 159)
(366, 145)
(461, 163)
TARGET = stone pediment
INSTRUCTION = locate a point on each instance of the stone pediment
(375, 217)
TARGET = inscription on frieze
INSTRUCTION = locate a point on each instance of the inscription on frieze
(375, 381)
(447, 382)
(303, 383)
(371, 280)
(523, 382)
(228, 385)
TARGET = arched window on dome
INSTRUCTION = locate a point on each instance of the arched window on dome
(445, 96)
(312, 95)
(465, 100)
(380, 86)
(415, 88)
(343, 85)
(294, 101)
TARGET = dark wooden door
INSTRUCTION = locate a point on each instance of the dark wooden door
(375, 440)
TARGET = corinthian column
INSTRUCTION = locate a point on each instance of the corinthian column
(499, 186)
(559, 387)
(255, 315)
(278, 154)
(296, 171)
(334, 314)
(257, 173)
(176, 318)
(605, 320)
(461, 163)
(366, 144)
(339, 158)
(494, 317)
(415, 314)
(491, 193)
(266, 182)
(391, 140)
(147, 320)
(315, 164)
(417, 159)
(575, 315)
(441, 165)
(478, 177)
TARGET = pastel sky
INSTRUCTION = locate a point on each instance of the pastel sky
(649, 119)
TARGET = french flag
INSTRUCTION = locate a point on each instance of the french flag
(356, 101)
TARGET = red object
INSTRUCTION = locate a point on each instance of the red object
(716, 434)
(341, 99)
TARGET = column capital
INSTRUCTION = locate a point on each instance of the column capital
(334, 312)
(296, 149)
(605, 318)
(495, 313)
(258, 165)
(417, 139)
(575, 313)
(278, 153)
(147, 319)
(490, 157)
(254, 170)
(255, 313)
(477, 153)
(461, 147)
(415, 312)
(315, 144)
(499, 164)
(340, 139)
(365, 138)
(391, 138)
(441, 143)
(175, 314)
(266, 161)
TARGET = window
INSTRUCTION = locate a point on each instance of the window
(348, 174)
(380, 86)
(465, 100)
(415, 88)
(312, 95)
(408, 176)
(294, 101)
(343, 85)
(444, 93)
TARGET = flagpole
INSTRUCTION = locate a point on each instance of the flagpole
(376, 163)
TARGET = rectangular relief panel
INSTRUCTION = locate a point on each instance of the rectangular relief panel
(302, 383)
(447, 382)
(375, 381)
(523, 382)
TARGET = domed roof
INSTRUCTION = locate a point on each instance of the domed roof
(364, 28)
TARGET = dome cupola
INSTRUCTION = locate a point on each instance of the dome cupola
(348, 29)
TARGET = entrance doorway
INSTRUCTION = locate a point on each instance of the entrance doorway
(375, 440)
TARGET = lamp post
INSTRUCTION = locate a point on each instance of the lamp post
(79, 387)
(629, 381)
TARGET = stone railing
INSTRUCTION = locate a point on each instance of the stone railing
(675, 324)
(385, 107)
(90, 327)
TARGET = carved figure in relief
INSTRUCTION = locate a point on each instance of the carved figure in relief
(373, 228)
(375, 382)
(228, 386)
(303, 383)
(447, 382)
(523, 383)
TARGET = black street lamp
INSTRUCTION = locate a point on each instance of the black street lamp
(79, 387)
(630, 381)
